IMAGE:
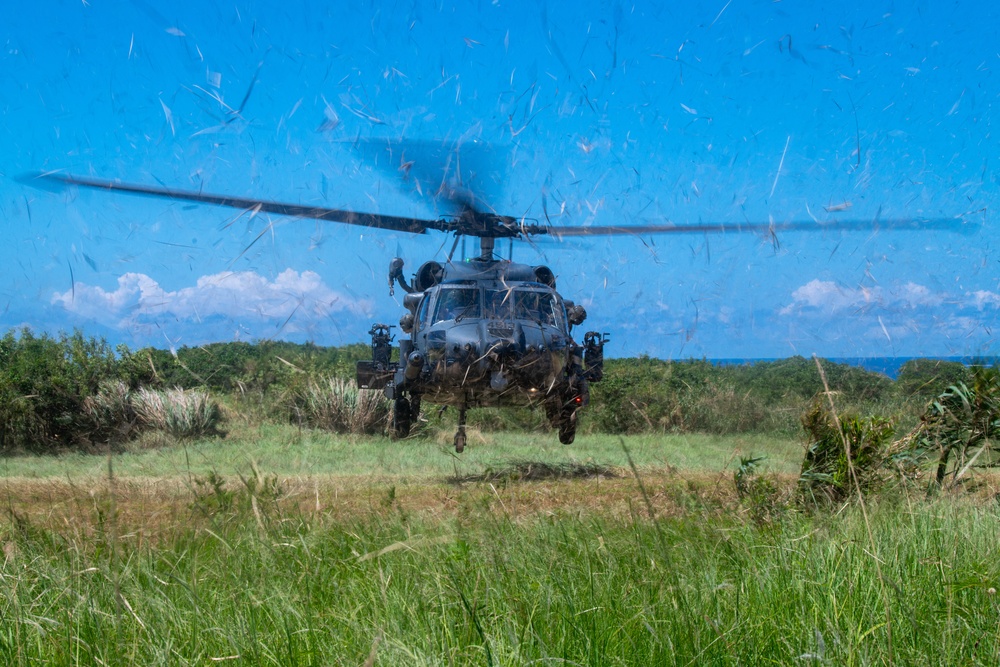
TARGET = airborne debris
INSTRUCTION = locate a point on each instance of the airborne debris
(781, 163)
(833, 208)
(169, 116)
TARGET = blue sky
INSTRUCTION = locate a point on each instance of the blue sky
(609, 112)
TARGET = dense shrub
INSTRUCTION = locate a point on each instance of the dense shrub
(262, 367)
(644, 394)
(43, 384)
(73, 391)
(70, 391)
(109, 415)
(844, 453)
(338, 405)
(183, 413)
(798, 377)
(695, 395)
(927, 378)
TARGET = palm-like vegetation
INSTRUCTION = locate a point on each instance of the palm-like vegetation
(960, 427)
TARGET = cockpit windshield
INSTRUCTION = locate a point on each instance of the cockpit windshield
(524, 304)
(456, 303)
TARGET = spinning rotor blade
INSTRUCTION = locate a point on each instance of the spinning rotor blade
(378, 221)
(948, 224)
(472, 221)
(454, 173)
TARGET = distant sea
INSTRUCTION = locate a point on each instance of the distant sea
(886, 365)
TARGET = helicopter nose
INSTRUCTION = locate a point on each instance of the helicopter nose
(498, 380)
(506, 349)
(503, 353)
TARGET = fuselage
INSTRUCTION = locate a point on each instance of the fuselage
(487, 340)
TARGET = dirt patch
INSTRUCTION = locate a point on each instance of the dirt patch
(151, 509)
(154, 510)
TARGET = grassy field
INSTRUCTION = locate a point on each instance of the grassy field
(289, 452)
(275, 547)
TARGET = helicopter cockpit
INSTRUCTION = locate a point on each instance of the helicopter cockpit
(535, 304)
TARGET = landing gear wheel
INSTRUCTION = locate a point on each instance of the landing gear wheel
(460, 434)
(567, 427)
(400, 418)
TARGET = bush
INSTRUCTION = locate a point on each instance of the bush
(183, 413)
(827, 470)
(43, 384)
(644, 394)
(797, 377)
(71, 391)
(337, 405)
(927, 378)
(758, 494)
(961, 426)
(695, 395)
(724, 410)
(109, 415)
(251, 368)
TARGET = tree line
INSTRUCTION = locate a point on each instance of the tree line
(71, 391)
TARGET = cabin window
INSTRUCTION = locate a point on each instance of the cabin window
(457, 303)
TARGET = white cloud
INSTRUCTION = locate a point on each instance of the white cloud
(303, 299)
(913, 295)
(828, 296)
(825, 297)
(983, 299)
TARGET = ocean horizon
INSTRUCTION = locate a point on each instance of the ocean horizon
(888, 366)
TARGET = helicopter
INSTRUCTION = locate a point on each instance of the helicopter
(482, 331)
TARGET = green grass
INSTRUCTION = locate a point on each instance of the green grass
(280, 547)
(472, 582)
(287, 451)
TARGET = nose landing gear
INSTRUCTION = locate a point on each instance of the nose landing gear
(563, 416)
(567, 426)
(460, 434)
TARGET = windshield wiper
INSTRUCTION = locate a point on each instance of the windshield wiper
(465, 311)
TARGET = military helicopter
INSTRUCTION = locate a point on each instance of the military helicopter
(483, 331)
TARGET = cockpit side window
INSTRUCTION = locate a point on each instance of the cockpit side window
(422, 312)
(457, 303)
